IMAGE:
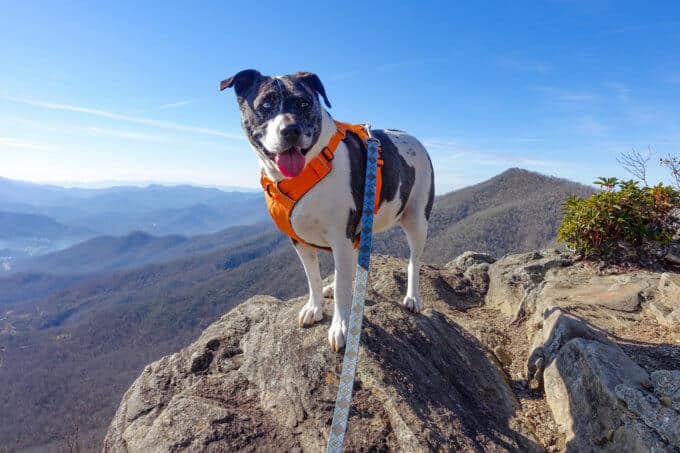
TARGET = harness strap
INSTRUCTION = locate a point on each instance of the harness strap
(282, 196)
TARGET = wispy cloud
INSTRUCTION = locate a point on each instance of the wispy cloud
(120, 117)
(177, 104)
(381, 67)
(624, 30)
(343, 75)
(524, 65)
(451, 152)
(440, 143)
(128, 135)
(7, 142)
(523, 140)
(591, 126)
(491, 158)
(566, 95)
(621, 90)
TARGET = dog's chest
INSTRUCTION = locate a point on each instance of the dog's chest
(323, 215)
(320, 216)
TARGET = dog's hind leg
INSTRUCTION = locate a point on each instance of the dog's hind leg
(414, 225)
(328, 290)
(312, 311)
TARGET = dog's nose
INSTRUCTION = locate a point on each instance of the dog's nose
(291, 133)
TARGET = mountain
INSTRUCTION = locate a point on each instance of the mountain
(84, 340)
(87, 341)
(154, 209)
(515, 211)
(32, 234)
(109, 253)
(14, 225)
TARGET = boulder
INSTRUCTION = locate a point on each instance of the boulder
(468, 259)
(673, 254)
(517, 280)
(444, 288)
(589, 386)
(453, 378)
(666, 305)
(556, 329)
(255, 381)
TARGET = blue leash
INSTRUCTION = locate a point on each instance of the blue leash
(343, 401)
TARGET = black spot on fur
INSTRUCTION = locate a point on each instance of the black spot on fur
(357, 176)
(353, 220)
(430, 197)
(398, 176)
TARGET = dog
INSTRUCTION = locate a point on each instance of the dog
(287, 127)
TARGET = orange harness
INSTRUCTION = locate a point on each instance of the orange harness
(282, 196)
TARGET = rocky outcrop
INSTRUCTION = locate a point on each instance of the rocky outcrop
(666, 304)
(255, 381)
(531, 352)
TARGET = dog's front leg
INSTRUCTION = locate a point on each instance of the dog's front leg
(345, 259)
(312, 310)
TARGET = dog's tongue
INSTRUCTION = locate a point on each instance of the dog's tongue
(290, 162)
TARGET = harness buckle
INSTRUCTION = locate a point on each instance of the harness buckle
(327, 153)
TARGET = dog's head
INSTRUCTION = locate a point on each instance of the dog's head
(281, 116)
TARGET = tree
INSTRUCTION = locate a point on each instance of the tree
(673, 164)
(635, 163)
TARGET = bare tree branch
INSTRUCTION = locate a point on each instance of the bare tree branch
(673, 164)
(635, 163)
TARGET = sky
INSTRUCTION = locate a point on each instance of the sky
(102, 93)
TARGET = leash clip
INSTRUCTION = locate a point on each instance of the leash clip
(371, 138)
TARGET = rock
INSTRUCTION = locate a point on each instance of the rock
(597, 292)
(468, 259)
(435, 381)
(652, 410)
(445, 288)
(516, 280)
(666, 305)
(583, 386)
(673, 255)
(666, 385)
(556, 329)
(423, 384)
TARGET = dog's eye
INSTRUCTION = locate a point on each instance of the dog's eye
(266, 105)
(304, 105)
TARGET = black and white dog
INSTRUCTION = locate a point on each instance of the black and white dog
(287, 127)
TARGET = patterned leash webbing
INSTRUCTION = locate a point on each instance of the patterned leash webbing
(343, 401)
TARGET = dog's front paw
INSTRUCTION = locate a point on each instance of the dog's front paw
(412, 303)
(310, 314)
(337, 334)
(328, 291)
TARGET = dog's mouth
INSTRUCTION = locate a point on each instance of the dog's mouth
(290, 162)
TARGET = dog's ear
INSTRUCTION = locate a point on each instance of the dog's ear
(312, 81)
(241, 81)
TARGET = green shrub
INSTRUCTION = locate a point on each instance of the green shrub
(621, 220)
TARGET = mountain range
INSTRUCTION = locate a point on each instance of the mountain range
(36, 219)
(77, 325)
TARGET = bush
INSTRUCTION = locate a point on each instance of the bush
(623, 220)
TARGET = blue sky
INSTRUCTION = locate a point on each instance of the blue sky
(127, 91)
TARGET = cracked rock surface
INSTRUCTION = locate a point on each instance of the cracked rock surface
(531, 352)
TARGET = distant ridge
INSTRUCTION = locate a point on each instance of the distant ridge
(514, 211)
(137, 249)
(155, 209)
